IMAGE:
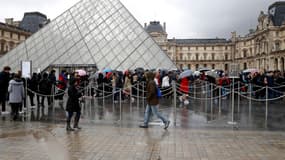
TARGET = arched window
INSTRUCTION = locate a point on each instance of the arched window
(197, 56)
(213, 56)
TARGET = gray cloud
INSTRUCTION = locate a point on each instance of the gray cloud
(184, 18)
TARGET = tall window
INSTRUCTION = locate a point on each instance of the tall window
(205, 56)
(197, 56)
(213, 56)
(213, 66)
(226, 57)
(213, 48)
(205, 48)
(226, 47)
(189, 66)
(181, 56)
(277, 46)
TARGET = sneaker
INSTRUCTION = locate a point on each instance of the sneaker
(143, 126)
(166, 124)
(21, 112)
(5, 112)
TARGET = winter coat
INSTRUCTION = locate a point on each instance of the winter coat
(45, 87)
(151, 95)
(33, 86)
(184, 85)
(16, 91)
(72, 104)
(4, 82)
(165, 82)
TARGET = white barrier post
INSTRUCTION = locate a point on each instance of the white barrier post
(206, 96)
(174, 101)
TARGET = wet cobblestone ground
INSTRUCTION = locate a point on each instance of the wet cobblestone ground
(110, 132)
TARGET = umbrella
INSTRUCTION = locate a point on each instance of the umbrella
(251, 70)
(212, 74)
(107, 70)
(185, 74)
(81, 72)
(196, 73)
(204, 69)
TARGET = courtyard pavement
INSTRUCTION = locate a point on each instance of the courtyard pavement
(110, 131)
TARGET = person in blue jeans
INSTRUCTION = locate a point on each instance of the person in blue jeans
(152, 102)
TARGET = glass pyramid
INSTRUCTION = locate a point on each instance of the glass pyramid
(101, 32)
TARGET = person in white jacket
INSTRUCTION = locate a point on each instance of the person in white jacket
(16, 95)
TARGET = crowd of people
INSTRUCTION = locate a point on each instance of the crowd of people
(128, 84)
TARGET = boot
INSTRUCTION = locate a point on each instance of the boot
(68, 127)
(76, 120)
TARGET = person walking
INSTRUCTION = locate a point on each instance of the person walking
(4, 83)
(73, 105)
(152, 102)
(16, 95)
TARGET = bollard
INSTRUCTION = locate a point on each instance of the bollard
(174, 101)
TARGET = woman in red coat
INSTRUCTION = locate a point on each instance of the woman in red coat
(184, 88)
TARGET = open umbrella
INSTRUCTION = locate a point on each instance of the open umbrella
(196, 73)
(185, 74)
(107, 70)
(203, 69)
(212, 74)
(81, 72)
(250, 70)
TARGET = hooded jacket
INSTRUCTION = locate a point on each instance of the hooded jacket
(16, 91)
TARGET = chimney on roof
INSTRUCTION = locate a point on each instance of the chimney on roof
(145, 24)
(164, 26)
(9, 21)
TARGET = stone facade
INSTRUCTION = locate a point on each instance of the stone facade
(10, 37)
(263, 48)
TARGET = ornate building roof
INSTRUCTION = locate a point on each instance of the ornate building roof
(198, 41)
(155, 26)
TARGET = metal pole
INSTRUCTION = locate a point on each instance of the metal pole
(233, 102)
(206, 96)
(138, 95)
(211, 100)
(266, 105)
(143, 93)
(103, 93)
(120, 104)
(174, 101)
(194, 89)
(220, 98)
(26, 95)
(239, 91)
(250, 92)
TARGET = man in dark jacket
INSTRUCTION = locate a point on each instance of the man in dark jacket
(73, 105)
(4, 83)
(152, 102)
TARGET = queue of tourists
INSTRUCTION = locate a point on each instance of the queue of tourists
(44, 88)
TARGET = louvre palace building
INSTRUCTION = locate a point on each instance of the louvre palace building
(262, 48)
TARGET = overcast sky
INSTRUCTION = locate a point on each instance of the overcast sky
(184, 18)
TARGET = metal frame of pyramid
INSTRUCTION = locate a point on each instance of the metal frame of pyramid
(101, 32)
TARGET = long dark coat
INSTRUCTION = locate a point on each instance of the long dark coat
(72, 104)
